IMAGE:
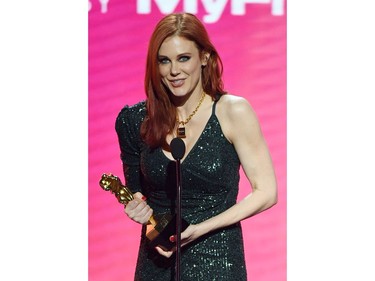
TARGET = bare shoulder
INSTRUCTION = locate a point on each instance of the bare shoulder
(234, 107)
(235, 115)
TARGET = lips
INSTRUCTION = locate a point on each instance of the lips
(177, 83)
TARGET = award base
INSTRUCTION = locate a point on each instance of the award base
(159, 234)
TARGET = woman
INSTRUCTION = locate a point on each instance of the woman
(186, 99)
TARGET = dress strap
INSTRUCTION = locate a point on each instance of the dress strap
(217, 98)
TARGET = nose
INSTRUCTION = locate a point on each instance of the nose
(175, 70)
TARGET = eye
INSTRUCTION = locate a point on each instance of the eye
(163, 60)
(184, 58)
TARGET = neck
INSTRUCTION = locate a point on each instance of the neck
(188, 104)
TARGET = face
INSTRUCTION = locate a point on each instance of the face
(180, 66)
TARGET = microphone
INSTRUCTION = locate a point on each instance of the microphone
(177, 148)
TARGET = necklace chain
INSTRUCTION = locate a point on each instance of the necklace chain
(183, 123)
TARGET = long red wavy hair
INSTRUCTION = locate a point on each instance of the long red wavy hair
(161, 113)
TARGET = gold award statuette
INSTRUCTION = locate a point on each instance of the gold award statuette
(159, 227)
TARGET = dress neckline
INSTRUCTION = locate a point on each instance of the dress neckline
(213, 113)
(193, 147)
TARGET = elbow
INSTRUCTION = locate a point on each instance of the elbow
(274, 195)
(272, 200)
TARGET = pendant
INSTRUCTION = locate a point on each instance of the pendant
(181, 132)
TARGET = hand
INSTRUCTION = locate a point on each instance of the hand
(189, 235)
(138, 210)
(166, 254)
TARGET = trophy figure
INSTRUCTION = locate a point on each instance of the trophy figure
(159, 227)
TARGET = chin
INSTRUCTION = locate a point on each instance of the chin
(178, 92)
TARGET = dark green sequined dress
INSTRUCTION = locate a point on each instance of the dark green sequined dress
(210, 178)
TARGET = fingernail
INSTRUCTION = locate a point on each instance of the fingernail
(172, 239)
(144, 198)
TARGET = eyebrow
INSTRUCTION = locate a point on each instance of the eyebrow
(179, 55)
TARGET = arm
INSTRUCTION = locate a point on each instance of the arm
(255, 159)
(129, 139)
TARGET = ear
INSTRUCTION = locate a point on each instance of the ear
(205, 58)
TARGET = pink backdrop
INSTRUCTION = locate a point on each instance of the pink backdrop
(251, 39)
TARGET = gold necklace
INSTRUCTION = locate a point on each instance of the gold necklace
(181, 131)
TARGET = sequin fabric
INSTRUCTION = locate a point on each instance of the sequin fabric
(210, 178)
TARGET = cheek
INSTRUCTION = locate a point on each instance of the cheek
(196, 71)
(192, 69)
(163, 70)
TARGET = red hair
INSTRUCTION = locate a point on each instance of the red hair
(161, 113)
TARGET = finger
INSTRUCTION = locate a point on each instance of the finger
(135, 206)
(172, 238)
(132, 204)
(142, 208)
(139, 196)
(149, 214)
(144, 215)
(141, 213)
(130, 208)
(166, 254)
